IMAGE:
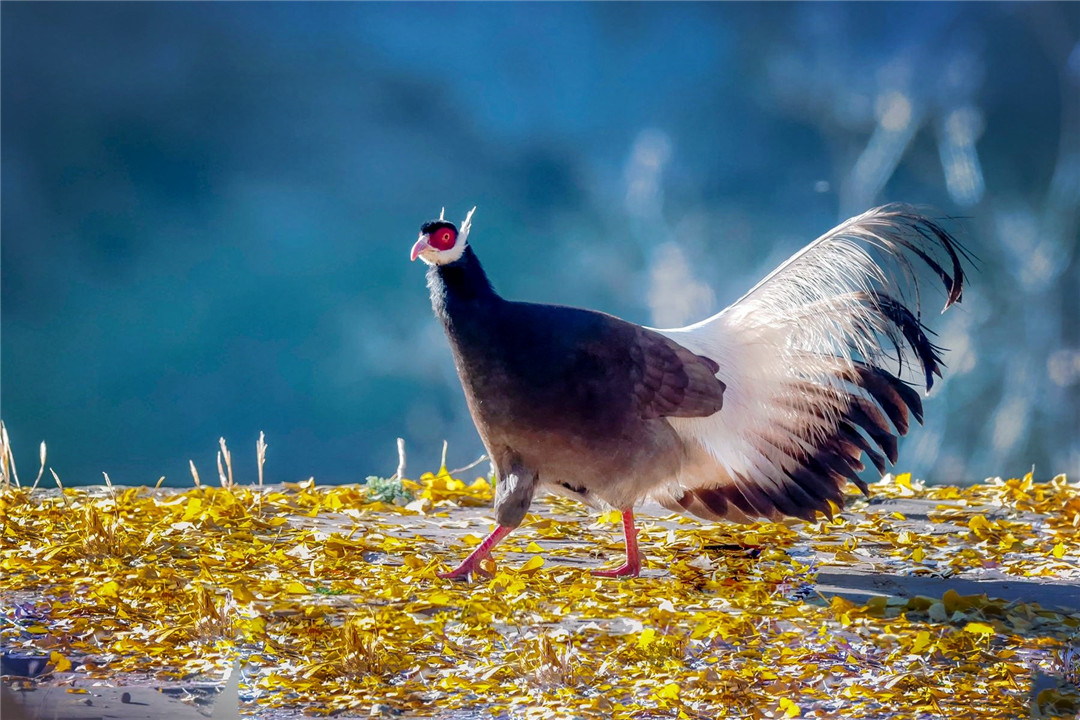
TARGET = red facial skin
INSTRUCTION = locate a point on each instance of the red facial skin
(442, 239)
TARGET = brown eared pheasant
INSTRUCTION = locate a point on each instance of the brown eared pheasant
(760, 411)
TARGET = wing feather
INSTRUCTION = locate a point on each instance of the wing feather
(670, 381)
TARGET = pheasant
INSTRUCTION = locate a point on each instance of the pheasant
(763, 410)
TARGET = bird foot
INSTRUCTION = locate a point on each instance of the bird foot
(468, 568)
(625, 570)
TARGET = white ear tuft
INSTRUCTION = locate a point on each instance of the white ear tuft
(463, 234)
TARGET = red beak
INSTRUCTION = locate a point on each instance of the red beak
(420, 246)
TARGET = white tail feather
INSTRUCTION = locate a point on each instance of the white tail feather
(801, 354)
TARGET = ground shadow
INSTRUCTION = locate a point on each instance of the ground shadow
(861, 586)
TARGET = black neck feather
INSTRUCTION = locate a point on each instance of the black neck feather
(460, 284)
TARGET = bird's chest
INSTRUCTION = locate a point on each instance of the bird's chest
(528, 379)
(501, 388)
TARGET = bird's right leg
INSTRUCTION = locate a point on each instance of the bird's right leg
(472, 563)
(632, 566)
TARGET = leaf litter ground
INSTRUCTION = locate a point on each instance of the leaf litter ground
(327, 601)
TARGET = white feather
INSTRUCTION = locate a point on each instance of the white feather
(788, 348)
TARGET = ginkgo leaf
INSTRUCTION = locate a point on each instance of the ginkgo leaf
(922, 641)
(534, 563)
(331, 601)
(60, 663)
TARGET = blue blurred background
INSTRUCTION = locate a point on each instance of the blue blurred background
(207, 208)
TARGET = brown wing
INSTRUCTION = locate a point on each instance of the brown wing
(670, 381)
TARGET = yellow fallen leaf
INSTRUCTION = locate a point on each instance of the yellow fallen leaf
(876, 605)
(918, 554)
(1059, 550)
(790, 709)
(439, 597)
(193, 509)
(646, 638)
(978, 628)
(922, 641)
(611, 516)
(669, 692)
(61, 663)
(979, 526)
(108, 589)
(242, 594)
(296, 588)
(533, 548)
(534, 563)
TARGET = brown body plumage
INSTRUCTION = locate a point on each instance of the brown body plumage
(763, 410)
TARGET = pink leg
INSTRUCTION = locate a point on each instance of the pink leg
(632, 566)
(470, 564)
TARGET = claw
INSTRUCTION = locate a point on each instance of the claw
(473, 565)
(467, 568)
(625, 570)
(461, 572)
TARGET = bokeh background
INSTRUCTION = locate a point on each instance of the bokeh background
(207, 208)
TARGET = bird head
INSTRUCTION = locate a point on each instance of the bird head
(440, 242)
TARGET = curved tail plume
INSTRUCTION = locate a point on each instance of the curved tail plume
(805, 355)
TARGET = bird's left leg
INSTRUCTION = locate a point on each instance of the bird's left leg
(471, 564)
(513, 495)
(632, 566)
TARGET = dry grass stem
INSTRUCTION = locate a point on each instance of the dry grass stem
(226, 482)
(457, 471)
(260, 454)
(41, 470)
(548, 663)
(194, 473)
(101, 533)
(361, 653)
(7, 459)
(212, 621)
(400, 459)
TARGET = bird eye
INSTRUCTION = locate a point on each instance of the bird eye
(443, 239)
